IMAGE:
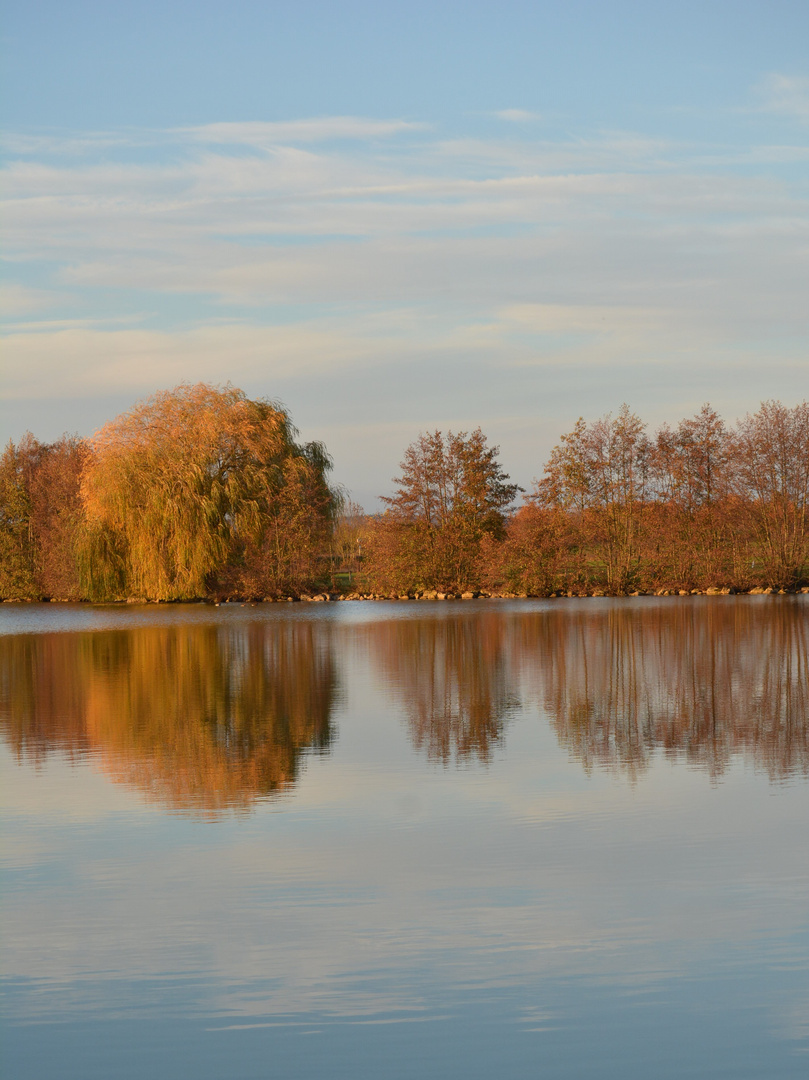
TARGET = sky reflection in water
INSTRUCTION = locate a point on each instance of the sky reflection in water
(560, 839)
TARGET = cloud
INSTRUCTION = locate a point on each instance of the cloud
(516, 116)
(256, 134)
(79, 361)
(318, 129)
(59, 143)
(16, 300)
(785, 94)
(443, 280)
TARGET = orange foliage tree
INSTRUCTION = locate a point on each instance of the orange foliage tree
(200, 490)
(771, 478)
(17, 578)
(695, 537)
(451, 494)
(693, 507)
(599, 475)
(40, 515)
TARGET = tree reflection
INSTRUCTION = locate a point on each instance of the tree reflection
(452, 677)
(209, 717)
(198, 717)
(708, 680)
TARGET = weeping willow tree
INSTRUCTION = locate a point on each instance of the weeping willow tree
(183, 494)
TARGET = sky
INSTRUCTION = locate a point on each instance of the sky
(401, 217)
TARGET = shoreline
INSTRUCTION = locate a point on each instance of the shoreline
(334, 597)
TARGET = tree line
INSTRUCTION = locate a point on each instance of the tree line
(200, 492)
(196, 492)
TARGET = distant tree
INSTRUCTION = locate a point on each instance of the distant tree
(452, 492)
(771, 477)
(690, 464)
(600, 474)
(200, 488)
(17, 552)
(695, 529)
(540, 554)
(350, 536)
(290, 552)
(56, 515)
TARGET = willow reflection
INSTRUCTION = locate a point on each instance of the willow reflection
(452, 677)
(200, 717)
(709, 680)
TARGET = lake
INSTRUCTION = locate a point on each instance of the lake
(562, 838)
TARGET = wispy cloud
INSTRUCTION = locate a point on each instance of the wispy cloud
(317, 129)
(17, 300)
(258, 135)
(785, 94)
(82, 360)
(408, 272)
(516, 116)
(77, 144)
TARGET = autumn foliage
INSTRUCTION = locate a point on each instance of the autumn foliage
(451, 498)
(201, 492)
(40, 515)
(617, 510)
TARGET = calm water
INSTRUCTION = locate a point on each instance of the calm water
(475, 839)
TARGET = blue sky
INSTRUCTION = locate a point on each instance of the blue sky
(401, 217)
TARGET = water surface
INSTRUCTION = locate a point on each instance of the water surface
(558, 839)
